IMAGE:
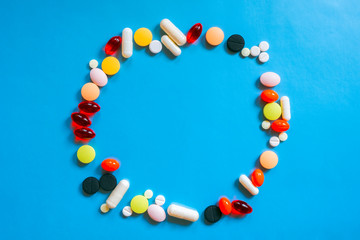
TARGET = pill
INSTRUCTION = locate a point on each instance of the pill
(264, 46)
(272, 111)
(143, 37)
(280, 126)
(90, 91)
(110, 65)
(160, 200)
(81, 119)
(127, 212)
(274, 141)
(214, 36)
(194, 33)
(93, 63)
(240, 207)
(255, 51)
(156, 213)
(235, 43)
(127, 43)
(245, 52)
(98, 77)
(139, 204)
(270, 79)
(108, 182)
(212, 214)
(90, 185)
(169, 44)
(225, 206)
(155, 47)
(110, 165)
(269, 96)
(113, 45)
(285, 108)
(182, 212)
(265, 125)
(86, 154)
(148, 194)
(257, 177)
(104, 208)
(89, 107)
(118, 193)
(245, 181)
(268, 159)
(84, 133)
(264, 57)
(173, 32)
(283, 136)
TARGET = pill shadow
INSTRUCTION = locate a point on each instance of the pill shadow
(148, 218)
(206, 44)
(227, 50)
(206, 221)
(258, 61)
(178, 221)
(259, 85)
(147, 50)
(258, 165)
(77, 162)
(240, 216)
(243, 189)
(168, 53)
(84, 193)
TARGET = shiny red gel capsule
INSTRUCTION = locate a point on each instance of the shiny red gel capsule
(84, 133)
(280, 126)
(89, 107)
(194, 33)
(240, 207)
(113, 45)
(81, 119)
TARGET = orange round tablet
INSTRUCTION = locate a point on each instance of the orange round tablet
(90, 91)
(214, 36)
(268, 159)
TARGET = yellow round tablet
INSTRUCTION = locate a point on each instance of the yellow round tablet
(214, 36)
(269, 159)
(110, 65)
(86, 154)
(272, 111)
(143, 37)
(90, 91)
(139, 204)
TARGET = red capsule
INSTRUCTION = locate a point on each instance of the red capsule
(240, 207)
(280, 126)
(84, 133)
(81, 119)
(110, 164)
(269, 96)
(194, 33)
(89, 107)
(113, 45)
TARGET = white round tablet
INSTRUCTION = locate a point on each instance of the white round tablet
(264, 57)
(93, 64)
(245, 52)
(160, 200)
(148, 194)
(255, 51)
(283, 136)
(127, 212)
(265, 125)
(274, 141)
(104, 208)
(264, 46)
(155, 46)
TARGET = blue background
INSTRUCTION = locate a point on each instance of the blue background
(185, 127)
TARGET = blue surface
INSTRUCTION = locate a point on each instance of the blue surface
(185, 127)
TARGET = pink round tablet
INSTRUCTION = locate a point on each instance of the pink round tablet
(156, 213)
(270, 79)
(98, 77)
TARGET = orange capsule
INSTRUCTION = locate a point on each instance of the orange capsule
(280, 126)
(225, 206)
(269, 96)
(257, 177)
(110, 165)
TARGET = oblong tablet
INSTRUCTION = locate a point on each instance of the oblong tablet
(117, 194)
(173, 32)
(285, 108)
(246, 182)
(127, 43)
(181, 212)
(98, 77)
(169, 44)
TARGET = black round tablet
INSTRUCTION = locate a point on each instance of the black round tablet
(108, 182)
(90, 185)
(212, 214)
(235, 43)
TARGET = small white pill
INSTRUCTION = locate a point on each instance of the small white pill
(245, 52)
(155, 46)
(285, 108)
(265, 125)
(148, 194)
(104, 208)
(160, 200)
(246, 182)
(127, 212)
(255, 51)
(93, 64)
(264, 46)
(283, 136)
(274, 141)
(264, 57)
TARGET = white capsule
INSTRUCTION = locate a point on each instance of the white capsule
(127, 43)
(265, 125)
(264, 57)
(160, 200)
(246, 182)
(155, 46)
(173, 32)
(274, 141)
(285, 108)
(181, 212)
(283, 136)
(264, 46)
(169, 44)
(255, 51)
(127, 212)
(117, 194)
(245, 52)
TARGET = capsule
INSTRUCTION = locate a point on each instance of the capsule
(246, 182)
(127, 43)
(257, 177)
(173, 32)
(117, 194)
(113, 45)
(110, 165)
(89, 107)
(280, 126)
(225, 206)
(81, 119)
(169, 44)
(269, 96)
(194, 33)
(84, 133)
(181, 212)
(240, 207)
(285, 108)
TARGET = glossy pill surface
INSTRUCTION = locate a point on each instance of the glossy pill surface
(268, 159)
(127, 43)
(269, 96)
(170, 45)
(246, 183)
(113, 45)
(89, 107)
(110, 165)
(110, 65)
(139, 204)
(272, 111)
(285, 108)
(81, 119)
(194, 33)
(84, 133)
(240, 207)
(225, 206)
(280, 126)
(257, 177)
(214, 36)
(90, 91)
(270, 79)
(156, 213)
(86, 154)
(98, 77)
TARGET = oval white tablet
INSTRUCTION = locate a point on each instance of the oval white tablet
(264, 57)
(255, 51)
(274, 141)
(155, 46)
(264, 46)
